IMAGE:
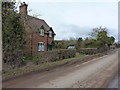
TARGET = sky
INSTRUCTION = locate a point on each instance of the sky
(76, 19)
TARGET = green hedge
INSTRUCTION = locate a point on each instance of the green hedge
(90, 51)
(56, 55)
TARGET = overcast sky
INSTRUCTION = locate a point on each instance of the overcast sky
(76, 19)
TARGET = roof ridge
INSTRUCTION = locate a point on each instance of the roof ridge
(36, 17)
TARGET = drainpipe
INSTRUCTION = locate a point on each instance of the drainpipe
(32, 44)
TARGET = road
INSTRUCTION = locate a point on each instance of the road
(97, 73)
(114, 83)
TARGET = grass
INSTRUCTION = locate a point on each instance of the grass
(79, 55)
(39, 67)
(33, 59)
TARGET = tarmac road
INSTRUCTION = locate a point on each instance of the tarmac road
(96, 73)
(114, 83)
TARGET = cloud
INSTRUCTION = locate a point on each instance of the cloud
(67, 31)
(78, 19)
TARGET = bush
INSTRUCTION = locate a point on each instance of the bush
(38, 59)
(88, 51)
(52, 56)
(56, 55)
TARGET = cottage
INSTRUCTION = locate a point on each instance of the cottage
(39, 35)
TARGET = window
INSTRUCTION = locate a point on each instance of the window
(41, 32)
(41, 46)
(50, 33)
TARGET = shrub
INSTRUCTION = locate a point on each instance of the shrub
(38, 59)
(56, 55)
(88, 51)
(52, 56)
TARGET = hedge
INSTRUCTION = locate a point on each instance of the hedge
(56, 55)
(90, 51)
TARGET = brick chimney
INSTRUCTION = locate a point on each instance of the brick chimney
(23, 9)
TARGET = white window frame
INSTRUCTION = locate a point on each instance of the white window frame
(41, 32)
(41, 46)
(50, 33)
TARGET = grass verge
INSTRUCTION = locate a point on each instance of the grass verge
(29, 69)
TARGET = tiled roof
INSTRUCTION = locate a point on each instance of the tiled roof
(35, 23)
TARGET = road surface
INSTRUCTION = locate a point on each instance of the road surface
(96, 73)
(114, 83)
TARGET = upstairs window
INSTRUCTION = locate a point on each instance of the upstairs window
(41, 32)
(41, 46)
(50, 33)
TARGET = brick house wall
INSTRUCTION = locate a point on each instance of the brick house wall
(32, 34)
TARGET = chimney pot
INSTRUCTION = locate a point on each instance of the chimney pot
(23, 9)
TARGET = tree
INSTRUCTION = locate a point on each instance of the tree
(95, 31)
(79, 42)
(110, 40)
(101, 38)
(13, 34)
(80, 39)
(91, 43)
